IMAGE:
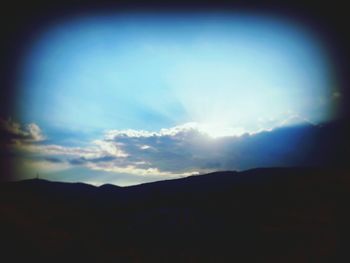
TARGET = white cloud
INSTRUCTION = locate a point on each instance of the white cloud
(35, 132)
(132, 169)
(190, 126)
(145, 147)
(97, 150)
(109, 148)
(213, 130)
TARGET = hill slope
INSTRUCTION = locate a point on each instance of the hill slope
(261, 215)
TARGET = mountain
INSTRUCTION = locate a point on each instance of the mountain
(260, 215)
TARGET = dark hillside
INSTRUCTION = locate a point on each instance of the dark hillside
(261, 215)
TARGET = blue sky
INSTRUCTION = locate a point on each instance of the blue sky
(99, 86)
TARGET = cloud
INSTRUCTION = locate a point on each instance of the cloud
(170, 153)
(173, 131)
(83, 160)
(134, 170)
(13, 133)
(109, 148)
(34, 132)
(188, 148)
(53, 160)
(145, 147)
(97, 149)
(143, 153)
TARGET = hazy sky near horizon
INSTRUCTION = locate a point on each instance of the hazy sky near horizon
(137, 96)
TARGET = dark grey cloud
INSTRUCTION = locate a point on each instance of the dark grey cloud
(181, 152)
(191, 150)
(53, 160)
(77, 161)
(83, 160)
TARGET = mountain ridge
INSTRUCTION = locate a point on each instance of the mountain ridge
(187, 178)
(260, 215)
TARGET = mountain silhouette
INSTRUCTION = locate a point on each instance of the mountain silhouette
(259, 215)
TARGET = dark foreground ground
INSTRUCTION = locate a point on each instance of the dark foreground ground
(263, 215)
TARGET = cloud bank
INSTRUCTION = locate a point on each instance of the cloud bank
(127, 157)
(178, 151)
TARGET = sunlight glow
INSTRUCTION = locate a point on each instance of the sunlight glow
(128, 98)
(144, 71)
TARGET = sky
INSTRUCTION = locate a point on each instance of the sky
(129, 98)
